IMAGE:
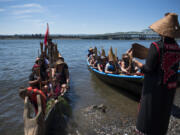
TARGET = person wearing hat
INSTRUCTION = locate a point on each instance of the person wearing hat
(61, 76)
(110, 66)
(128, 65)
(94, 61)
(102, 64)
(60, 57)
(43, 67)
(35, 79)
(160, 78)
(90, 51)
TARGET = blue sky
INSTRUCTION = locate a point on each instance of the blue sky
(81, 16)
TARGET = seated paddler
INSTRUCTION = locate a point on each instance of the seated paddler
(35, 79)
(110, 66)
(102, 64)
(62, 75)
(94, 61)
(32, 94)
(128, 65)
(90, 52)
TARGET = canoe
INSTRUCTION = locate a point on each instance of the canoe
(56, 118)
(57, 110)
(131, 83)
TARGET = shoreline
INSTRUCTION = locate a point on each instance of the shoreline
(75, 39)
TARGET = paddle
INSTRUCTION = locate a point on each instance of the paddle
(139, 51)
(116, 53)
(39, 72)
(41, 47)
(99, 53)
(103, 52)
(95, 50)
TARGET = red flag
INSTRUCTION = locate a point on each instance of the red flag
(46, 35)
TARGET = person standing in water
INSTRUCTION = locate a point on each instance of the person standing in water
(160, 78)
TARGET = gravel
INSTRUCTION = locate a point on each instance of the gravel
(100, 120)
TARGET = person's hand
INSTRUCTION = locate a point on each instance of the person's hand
(131, 54)
(67, 85)
(39, 79)
(51, 92)
(138, 64)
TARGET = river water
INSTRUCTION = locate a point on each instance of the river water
(17, 58)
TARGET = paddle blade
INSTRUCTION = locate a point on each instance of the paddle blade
(110, 54)
(95, 50)
(116, 52)
(139, 51)
(103, 53)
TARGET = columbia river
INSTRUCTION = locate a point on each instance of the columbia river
(16, 60)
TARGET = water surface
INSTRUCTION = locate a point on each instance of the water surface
(17, 58)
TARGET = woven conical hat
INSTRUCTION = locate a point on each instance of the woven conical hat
(59, 62)
(167, 26)
(90, 49)
(59, 55)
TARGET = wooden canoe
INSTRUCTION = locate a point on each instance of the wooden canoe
(130, 83)
(53, 120)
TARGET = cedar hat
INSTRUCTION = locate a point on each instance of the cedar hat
(103, 57)
(60, 62)
(167, 26)
(60, 57)
(90, 49)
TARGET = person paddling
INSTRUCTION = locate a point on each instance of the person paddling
(160, 78)
(128, 65)
(90, 52)
(61, 77)
(110, 66)
(35, 79)
(102, 64)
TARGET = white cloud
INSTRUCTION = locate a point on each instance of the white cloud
(30, 5)
(23, 16)
(26, 9)
(37, 23)
(6, 0)
(2, 10)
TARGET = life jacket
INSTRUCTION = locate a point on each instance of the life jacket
(111, 67)
(169, 57)
(33, 98)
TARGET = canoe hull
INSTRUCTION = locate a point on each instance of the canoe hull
(129, 83)
(132, 84)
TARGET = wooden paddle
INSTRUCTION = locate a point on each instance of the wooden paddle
(41, 47)
(103, 52)
(95, 50)
(39, 73)
(116, 54)
(139, 51)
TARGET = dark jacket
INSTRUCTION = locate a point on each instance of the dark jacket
(160, 79)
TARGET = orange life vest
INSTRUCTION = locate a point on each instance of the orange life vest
(33, 94)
